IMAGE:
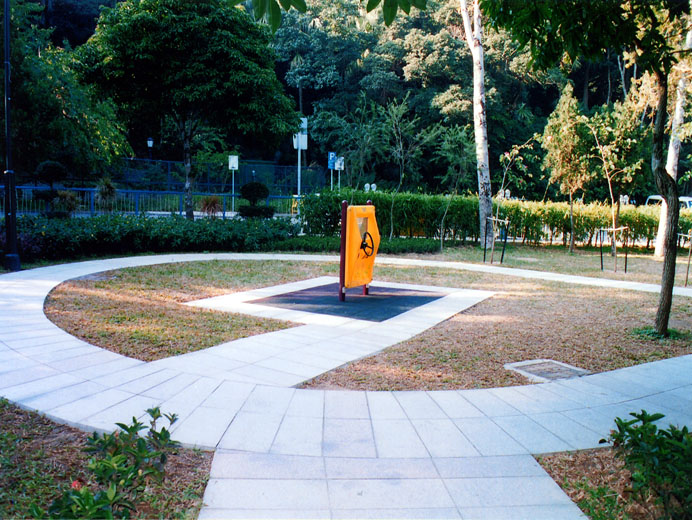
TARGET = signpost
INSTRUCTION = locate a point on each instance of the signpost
(300, 142)
(339, 166)
(331, 160)
(233, 166)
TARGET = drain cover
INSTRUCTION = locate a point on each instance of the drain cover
(543, 370)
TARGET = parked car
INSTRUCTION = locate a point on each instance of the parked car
(685, 202)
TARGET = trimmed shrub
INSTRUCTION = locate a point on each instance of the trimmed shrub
(256, 211)
(40, 238)
(254, 192)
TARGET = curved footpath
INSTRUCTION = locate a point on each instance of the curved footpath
(288, 453)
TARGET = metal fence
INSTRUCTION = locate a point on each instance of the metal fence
(215, 178)
(147, 202)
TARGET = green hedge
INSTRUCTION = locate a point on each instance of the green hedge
(418, 215)
(47, 239)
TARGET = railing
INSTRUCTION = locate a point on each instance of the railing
(151, 203)
(215, 178)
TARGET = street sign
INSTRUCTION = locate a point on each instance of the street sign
(331, 160)
(303, 141)
(233, 162)
(339, 164)
(303, 125)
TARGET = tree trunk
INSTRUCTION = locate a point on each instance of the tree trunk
(673, 150)
(669, 190)
(585, 92)
(571, 223)
(474, 37)
(187, 161)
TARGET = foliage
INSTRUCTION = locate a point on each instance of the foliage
(122, 464)
(199, 63)
(106, 193)
(256, 211)
(50, 172)
(567, 142)
(332, 244)
(600, 503)
(421, 215)
(211, 205)
(54, 116)
(660, 461)
(254, 192)
(40, 238)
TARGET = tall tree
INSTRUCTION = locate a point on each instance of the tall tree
(552, 28)
(199, 62)
(473, 28)
(55, 117)
(674, 147)
(565, 141)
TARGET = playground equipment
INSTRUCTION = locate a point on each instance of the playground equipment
(360, 240)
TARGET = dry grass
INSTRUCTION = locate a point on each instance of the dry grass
(577, 472)
(40, 458)
(138, 313)
(641, 264)
(589, 327)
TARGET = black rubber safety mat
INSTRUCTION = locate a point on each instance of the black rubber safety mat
(381, 304)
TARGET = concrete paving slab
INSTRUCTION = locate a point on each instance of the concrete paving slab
(251, 432)
(505, 491)
(234, 465)
(345, 405)
(299, 436)
(548, 512)
(388, 494)
(397, 438)
(488, 438)
(443, 439)
(379, 468)
(348, 438)
(268, 494)
(489, 467)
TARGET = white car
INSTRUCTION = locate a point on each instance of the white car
(685, 202)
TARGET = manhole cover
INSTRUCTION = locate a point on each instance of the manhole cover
(543, 370)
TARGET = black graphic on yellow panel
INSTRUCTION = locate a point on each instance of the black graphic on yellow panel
(362, 242)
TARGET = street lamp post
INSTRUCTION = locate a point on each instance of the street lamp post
(11, 254)
(150, 145)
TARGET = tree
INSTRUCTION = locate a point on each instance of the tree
(358, 135)
(674, 147)
(55, 117)
(619, 139)
(457, 149)
(473, 28)
(566, 143)
(404, 141)
(199, 62)
(552, 28)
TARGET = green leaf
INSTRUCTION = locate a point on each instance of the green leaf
(389, 11)
(110, 494)
(405, 6)
(274, 16)
(299, 5)
(260, 7)
(419, 4)
(372, 4)
(285, 4)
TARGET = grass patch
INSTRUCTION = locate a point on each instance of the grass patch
(651, 334)
(39, 458)
(588, 327)
(138, 312)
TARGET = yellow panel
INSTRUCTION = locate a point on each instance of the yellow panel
(362, 243)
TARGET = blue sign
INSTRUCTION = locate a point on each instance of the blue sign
(331, 160)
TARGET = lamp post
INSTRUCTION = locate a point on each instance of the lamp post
(150, 145)
(11, 254)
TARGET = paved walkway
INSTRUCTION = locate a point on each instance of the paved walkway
(288, 453)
